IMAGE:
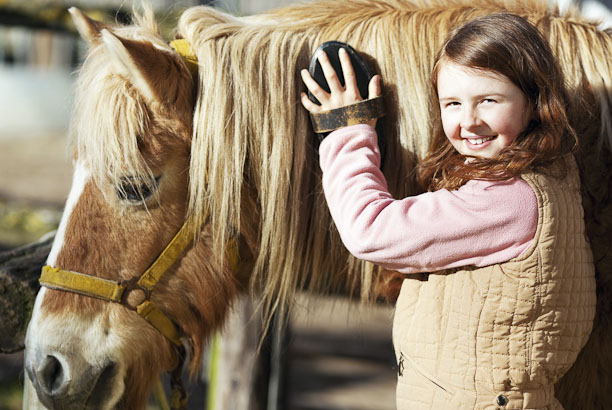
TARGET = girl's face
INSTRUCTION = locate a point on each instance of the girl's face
(482, 111)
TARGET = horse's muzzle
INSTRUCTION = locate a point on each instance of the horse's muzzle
(63, 383)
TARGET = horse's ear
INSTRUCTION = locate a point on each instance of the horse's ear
(88, 29)
(123, 52)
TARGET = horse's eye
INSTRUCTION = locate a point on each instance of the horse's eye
(136, 189)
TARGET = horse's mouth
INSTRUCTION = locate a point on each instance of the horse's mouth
(102, 388)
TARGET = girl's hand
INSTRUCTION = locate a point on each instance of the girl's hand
(338, 96)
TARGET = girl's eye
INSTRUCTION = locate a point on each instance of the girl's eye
(453, 104)
(136, 189)
(488, 100)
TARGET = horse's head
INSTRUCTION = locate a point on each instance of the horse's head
(132, 134)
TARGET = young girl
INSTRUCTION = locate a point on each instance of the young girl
(499, 293)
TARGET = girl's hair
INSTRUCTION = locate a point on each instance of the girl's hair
(508, 45)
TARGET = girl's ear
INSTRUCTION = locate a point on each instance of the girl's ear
(534, 116)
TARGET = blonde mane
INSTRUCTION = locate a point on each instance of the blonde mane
(252, 134)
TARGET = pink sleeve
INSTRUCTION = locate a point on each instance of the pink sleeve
(481, 223)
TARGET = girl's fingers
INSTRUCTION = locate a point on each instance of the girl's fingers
(339, 96)
(309, 105)
(314, 87)
(350, 80)
(330, 73)
(374, 87)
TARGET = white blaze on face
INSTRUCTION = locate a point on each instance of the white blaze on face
(78, 344)
(79, 179)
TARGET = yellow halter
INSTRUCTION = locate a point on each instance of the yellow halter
(182, 47)
(118, 291)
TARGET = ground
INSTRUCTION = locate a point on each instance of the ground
(341, 357)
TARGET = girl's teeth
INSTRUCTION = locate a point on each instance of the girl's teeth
(480, 140)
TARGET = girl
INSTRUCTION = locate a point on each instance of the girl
(499, 292)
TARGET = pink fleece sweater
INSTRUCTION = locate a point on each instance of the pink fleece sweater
(481, 223)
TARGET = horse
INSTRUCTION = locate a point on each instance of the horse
(214, 140)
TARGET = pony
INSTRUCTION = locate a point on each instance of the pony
(229, 153)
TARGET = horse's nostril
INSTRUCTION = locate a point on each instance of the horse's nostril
(69, 382)
(51, 376)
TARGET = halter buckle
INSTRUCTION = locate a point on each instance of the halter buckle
(134, 294)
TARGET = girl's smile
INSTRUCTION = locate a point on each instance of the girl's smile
(482, 112)
(479, 142)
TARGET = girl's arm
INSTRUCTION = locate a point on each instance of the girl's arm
(480, 224)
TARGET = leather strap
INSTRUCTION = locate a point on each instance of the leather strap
(111, 291)
(160, 321)
(182, 47)
(167, 258)
(358, 113)
(114, 291)
(55, 278)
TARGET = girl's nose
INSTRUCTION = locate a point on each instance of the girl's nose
(469, 118)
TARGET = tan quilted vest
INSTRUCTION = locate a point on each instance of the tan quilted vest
(499, 337)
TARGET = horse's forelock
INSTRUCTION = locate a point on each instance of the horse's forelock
(113, 124)
(108, 120)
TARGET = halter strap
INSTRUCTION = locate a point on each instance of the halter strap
(111, 291)
(118, 291)
(166, 258)
(182, 47)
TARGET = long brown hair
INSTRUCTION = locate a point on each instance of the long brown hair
(508, 45)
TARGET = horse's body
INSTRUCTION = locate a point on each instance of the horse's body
(249, 170)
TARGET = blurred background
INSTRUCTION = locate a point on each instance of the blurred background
(338, 355)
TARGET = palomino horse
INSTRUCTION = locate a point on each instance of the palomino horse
(233, 155)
